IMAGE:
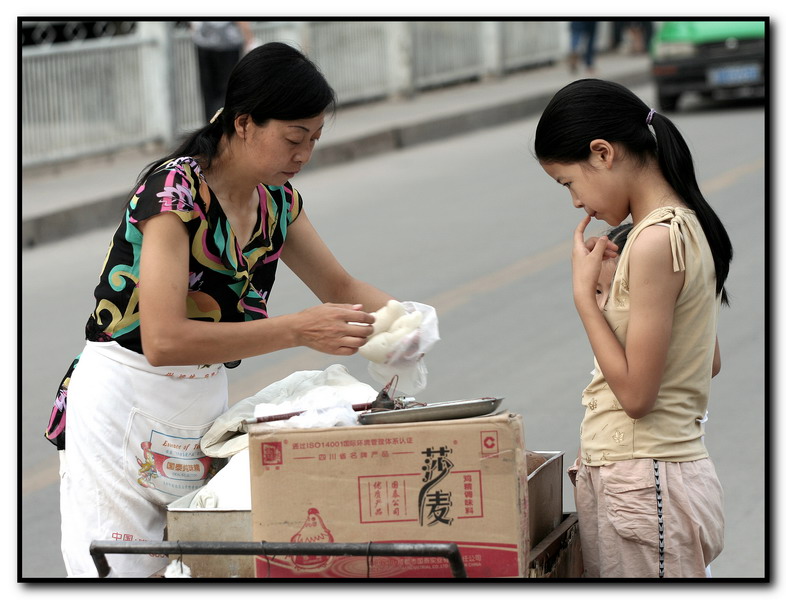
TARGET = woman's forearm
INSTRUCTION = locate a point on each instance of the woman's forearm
(190, 342)
(336, 329)
(355, 291)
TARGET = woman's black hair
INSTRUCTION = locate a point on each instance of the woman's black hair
(272, 81)
(590, 109)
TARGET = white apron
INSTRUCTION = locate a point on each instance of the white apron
(133, 445)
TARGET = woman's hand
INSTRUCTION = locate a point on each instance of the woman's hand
(333, 328)
(586, 259)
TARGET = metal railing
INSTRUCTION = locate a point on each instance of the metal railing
(97, 96)
(83, 99)
(449, 551)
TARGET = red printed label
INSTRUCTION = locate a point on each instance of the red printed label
(171, 465)
(480, 561)
(391, 498)
(272, 453)
(489, 443)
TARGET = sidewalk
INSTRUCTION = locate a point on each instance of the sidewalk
(70, 199)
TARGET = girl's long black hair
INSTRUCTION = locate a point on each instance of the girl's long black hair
(272, 81)
(590, 109)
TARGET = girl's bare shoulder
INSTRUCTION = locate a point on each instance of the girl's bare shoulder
(652, 247)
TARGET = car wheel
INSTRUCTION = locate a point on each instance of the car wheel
(668, 101)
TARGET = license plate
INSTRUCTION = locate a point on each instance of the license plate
(734, 75)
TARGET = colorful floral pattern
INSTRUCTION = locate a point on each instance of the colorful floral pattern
(226, 283)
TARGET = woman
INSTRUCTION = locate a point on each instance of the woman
(647, 495)
(183, 295)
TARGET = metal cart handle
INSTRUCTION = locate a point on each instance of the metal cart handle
(449, 551)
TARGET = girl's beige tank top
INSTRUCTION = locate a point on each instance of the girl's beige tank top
(673, 430)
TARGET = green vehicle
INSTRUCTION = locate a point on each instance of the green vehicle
(717, 59)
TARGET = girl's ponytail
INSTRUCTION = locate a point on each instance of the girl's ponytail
(676, 164)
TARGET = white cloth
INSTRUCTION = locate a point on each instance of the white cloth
(132, 446)
(326, 399)
(230, 489)
(302, 390)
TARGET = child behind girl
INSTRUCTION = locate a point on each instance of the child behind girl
(617, 235)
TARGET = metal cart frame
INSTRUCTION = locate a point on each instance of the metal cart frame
(449, 551)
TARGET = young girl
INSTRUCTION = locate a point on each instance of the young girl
(183, 296)
(648, 498)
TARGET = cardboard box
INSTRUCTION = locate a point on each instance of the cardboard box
(558, 555)
(544, 515)
(544, 486)
(461, 481)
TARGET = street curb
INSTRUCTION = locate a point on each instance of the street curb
(72, 221)
(101, 213)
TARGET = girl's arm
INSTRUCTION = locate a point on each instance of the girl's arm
(170, 338)
(634, 371)
(310, 259)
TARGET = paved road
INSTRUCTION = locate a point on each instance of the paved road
(472, 226)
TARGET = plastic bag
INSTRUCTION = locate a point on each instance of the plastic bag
(406, 357)
(177, 569)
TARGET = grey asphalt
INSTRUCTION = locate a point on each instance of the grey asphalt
(552, 361)
(66, 200)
